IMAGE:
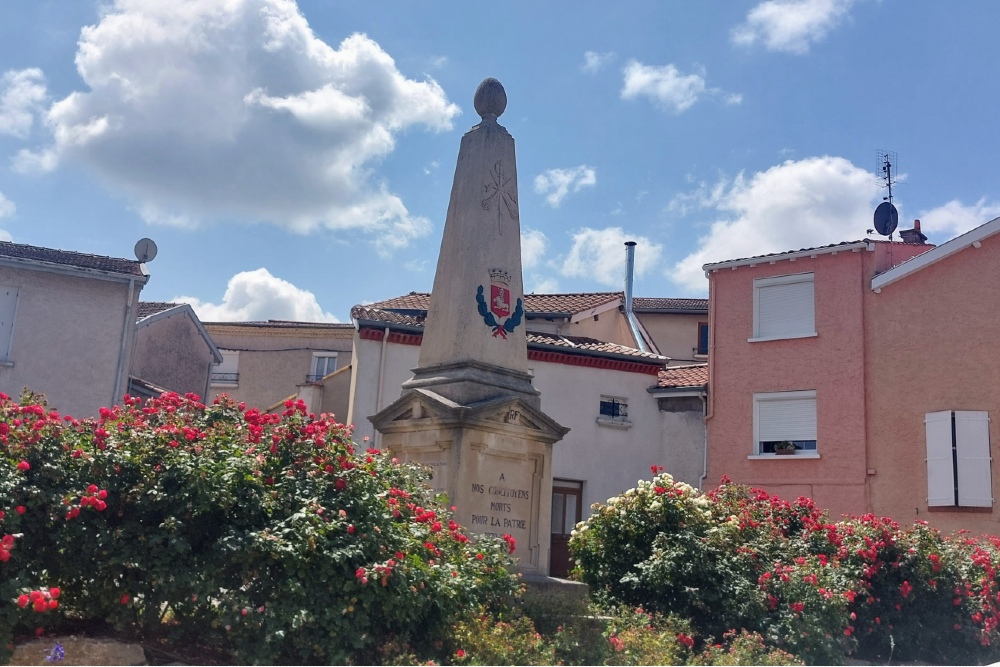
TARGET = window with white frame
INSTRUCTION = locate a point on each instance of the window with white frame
(323, 363)
(8, 306)
(958, 459)
(784, 422)
(227, 374)
(784, 307)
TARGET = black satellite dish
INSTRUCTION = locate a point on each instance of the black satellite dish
(886, 218)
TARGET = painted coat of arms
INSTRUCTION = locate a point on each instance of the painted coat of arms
(499, 307)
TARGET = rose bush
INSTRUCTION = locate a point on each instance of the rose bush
(737, 558)
(270, 535)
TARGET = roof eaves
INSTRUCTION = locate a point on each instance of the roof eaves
(853, 246)
(579, 350)
(72, 270)
(972, 238)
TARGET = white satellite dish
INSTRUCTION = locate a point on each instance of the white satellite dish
(145, 250)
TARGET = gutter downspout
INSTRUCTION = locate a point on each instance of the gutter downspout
(377, 440)
(633, 325)
(704, 465)
(121, 351)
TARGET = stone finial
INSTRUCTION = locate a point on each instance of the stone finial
(490, 99)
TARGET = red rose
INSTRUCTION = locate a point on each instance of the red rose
(24, 465)
(54, 593)
(22, 601)
(20, 509)
(126, 598)
(350, 529)
(460, 653)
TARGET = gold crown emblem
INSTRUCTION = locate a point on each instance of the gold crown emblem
(500, 276)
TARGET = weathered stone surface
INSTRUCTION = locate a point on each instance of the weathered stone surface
(470, 411)
(79, 651)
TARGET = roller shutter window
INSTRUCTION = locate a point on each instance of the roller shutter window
(785, 416)
(8, 306)
(784, 307)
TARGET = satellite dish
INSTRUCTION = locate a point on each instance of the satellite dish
(886, 218)
(145, 250)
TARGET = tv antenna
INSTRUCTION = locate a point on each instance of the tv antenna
(886, 215)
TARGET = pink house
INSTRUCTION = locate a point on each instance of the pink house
(874, 364)
(788, 368)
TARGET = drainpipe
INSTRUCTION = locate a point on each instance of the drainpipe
(704, 463)
(377, 440)
(629, 315)
(121, 351)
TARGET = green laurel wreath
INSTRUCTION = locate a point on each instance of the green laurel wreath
(508, 325)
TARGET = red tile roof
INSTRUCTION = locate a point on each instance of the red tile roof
(128, 267)
(534, 304)
(568, 344)
(695, 375)
(582, 343)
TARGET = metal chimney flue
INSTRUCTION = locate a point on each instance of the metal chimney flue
(633, 323)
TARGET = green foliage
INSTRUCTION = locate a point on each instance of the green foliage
(738, 558)
(265, 534)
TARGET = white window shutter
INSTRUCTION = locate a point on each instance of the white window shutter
(786, 309)
(8, 305)
(940, 467)
(786, 420)
(972, 438)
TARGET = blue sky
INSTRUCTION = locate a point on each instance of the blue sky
(292, 160)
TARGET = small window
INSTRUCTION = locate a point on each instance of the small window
(227, 374)
(958, 459)
(702, 339)
(8, 306)
(323, 364)
(784, 307)
(613, 411)
(785, 423)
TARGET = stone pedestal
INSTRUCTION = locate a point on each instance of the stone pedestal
(493, 459)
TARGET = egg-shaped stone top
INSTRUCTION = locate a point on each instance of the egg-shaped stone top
(490, 99)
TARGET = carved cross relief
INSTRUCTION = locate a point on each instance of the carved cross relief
(498, 192)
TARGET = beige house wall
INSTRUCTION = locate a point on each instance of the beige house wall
(675, 334)
(274, 360)
(932, 346)
(67, 338)
(171, 353)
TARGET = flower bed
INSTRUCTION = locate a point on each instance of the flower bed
(737, 558)
(269, 535)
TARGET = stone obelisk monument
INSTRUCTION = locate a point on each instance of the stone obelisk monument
(470, 411)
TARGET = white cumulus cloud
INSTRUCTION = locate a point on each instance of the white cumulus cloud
(599, 254)
(555, 184)
(668, 88)
(955, 218)
(233, 109)
(797, 204)
(7, 209)
(22, 97)
(257, 295)
(595, 62)
(790, 25)
(533, 246)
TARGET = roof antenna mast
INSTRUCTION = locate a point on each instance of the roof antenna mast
(886, 215)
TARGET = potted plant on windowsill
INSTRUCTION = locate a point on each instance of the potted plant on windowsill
(784, 448)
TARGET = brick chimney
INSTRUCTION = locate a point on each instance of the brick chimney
(913, 235)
